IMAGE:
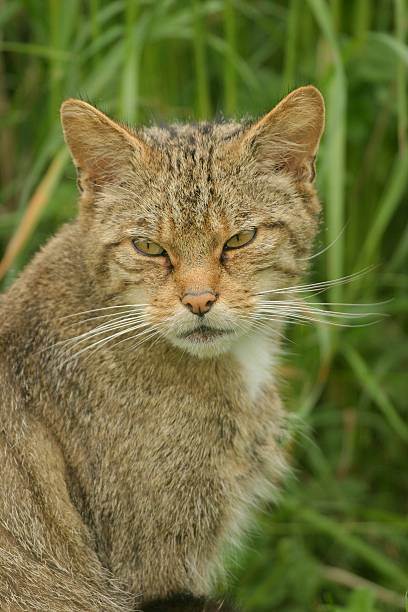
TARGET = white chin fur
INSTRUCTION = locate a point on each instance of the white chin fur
(205, 349)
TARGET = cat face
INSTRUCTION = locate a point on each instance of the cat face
(196, 222)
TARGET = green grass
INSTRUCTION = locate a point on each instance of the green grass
(338, 540)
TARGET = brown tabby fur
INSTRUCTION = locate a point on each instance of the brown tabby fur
(127, 470)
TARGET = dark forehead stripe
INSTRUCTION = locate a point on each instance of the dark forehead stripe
(190, 154)
(206, 128)
(182, 134)
(191, 184)
(171, 131)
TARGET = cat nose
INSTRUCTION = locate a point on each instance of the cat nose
(199, 302)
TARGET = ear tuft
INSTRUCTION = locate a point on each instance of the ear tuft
(287, 138)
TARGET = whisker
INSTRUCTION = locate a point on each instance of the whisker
(260, 323)
(104, 308)
(142, 333)
(153, 328)
(302, 318)
(95, 331)
(104, 328)
(304, 308)
(326, 248)
(103, 341)
(112, 316)
(353, 304)
(320, 285)
(155, 332)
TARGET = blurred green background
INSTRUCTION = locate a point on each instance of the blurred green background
(338, 539)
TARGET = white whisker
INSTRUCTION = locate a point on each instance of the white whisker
(112, 316)
(104, 328)
(260, 324)
(95, 331)
(305, 309)
(154, 332)
(103, 341)
(353, 304)
(136, 306)
(326, 248)
(151, 329)
(299, 317)
(320, 285)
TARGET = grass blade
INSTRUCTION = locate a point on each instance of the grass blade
(375, 392)
(289, 70)
(387, 206)
(201, 73)
(129, 98)
(400, 27)
(335, 149)
(230, 75)
(35, 206)
(382, 564)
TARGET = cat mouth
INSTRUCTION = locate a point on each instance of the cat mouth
(204, 333)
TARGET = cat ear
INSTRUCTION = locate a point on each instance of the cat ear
(101, 149)
(287, 138)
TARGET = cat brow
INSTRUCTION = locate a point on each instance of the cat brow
(139, 225)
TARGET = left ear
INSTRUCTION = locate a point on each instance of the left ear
(287, 138)
(102, 150)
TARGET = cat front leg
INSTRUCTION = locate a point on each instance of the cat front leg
(47, 562)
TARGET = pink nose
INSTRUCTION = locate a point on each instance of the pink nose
(199, 302)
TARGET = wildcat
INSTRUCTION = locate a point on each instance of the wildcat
(140, 420)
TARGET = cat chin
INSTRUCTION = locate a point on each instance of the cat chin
(208, 349)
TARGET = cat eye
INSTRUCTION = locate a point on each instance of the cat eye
(146, 247)
(239, 240)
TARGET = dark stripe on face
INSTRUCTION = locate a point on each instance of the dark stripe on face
(292, 235)
(130, 270)
(209, 169)
(276, 268)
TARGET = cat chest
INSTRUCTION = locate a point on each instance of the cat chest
(188, 484)
(175, 472)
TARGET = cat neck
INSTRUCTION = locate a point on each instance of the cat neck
(257, 355)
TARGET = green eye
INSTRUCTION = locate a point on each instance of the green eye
(146, 247)
(240, 239)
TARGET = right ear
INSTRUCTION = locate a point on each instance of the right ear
(101, 149)
(287, 138)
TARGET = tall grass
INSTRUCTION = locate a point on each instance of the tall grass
(339, 538)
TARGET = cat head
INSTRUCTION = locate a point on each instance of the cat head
(196, 222)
